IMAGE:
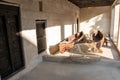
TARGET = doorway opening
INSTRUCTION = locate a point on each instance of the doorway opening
(41, 36)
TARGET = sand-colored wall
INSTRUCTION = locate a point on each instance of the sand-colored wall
(95, 18)
(61, 16)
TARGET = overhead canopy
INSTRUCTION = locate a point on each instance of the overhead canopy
(92, 3)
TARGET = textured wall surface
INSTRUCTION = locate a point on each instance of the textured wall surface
(61, 16)
(95, 18)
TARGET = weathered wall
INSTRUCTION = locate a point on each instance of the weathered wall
(61, 16)
(95, 18)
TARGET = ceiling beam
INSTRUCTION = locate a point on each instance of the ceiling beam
(114, 2)
(92, 3)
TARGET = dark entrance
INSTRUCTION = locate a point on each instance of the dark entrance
(77, 25)
(41, 37)
(11, 57)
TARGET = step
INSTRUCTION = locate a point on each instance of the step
(72, 58)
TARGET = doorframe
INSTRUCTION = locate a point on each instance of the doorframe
(19, 28)
(41, 20)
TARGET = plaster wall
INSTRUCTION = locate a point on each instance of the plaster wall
(95, 18)
(61, 16)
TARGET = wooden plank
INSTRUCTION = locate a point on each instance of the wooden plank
(114, 3)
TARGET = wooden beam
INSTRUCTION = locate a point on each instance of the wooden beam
(114, 3)
(8, 3)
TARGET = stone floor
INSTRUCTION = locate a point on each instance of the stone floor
(107, 68)
(109, 52)
(103, 70)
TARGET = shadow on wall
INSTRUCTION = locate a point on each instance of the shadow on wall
(57, 30)
(29, 36)
(90, 12)
(54, 34)
(92, 24)
(96, 20)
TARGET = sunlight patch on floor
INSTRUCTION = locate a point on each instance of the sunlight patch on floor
(109, 52)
